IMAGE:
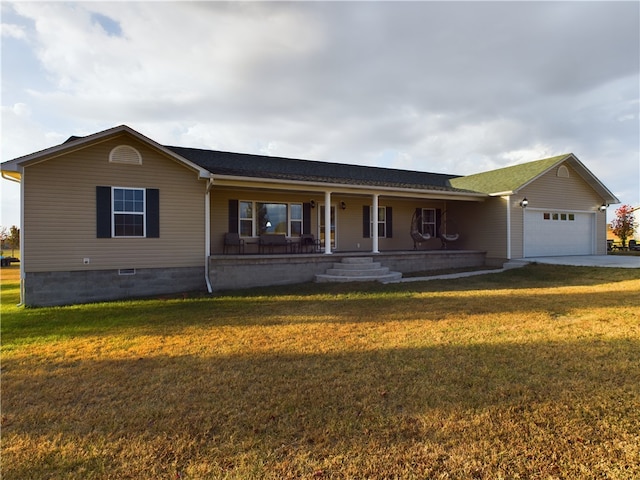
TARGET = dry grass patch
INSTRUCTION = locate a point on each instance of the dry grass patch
(533, 373)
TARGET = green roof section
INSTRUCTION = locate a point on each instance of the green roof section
(508, 179)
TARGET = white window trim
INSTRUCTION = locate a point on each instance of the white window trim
(143, 214)
(383, 222)
(433, 232)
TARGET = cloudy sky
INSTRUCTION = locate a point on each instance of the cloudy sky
(455, 87)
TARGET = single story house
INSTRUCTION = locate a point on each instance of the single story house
(116, 215)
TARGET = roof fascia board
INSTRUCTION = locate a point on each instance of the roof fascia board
(238, 181)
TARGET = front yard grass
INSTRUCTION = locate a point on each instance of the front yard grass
(533, 373)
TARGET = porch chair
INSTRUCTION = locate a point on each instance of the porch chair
(308, 243)
(233, 240)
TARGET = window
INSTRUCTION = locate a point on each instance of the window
(429, 221)
(127, 212)
(382, 221)
(272, 217)
(296, 220)
(385, 222)
(246, 219)
(257, 218)
(559, 216)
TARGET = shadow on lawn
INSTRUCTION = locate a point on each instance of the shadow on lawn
(217, 409)
(160, 318)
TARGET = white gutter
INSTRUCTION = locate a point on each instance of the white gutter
(9, 177)
(207, 235)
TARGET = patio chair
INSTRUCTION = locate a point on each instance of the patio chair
(233, 240)
(308, 243)
(270, 241)
(633, 245)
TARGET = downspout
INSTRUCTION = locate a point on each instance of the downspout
(508, 199)
(207, 235)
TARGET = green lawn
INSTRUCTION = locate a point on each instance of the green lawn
(533, 373)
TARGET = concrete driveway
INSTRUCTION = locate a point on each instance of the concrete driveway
(612, 261)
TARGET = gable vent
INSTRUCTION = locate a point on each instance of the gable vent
(125, 154)
(563, 172)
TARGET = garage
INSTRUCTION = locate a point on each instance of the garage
(558, 232)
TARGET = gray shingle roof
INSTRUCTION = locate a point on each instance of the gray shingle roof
(259, 166)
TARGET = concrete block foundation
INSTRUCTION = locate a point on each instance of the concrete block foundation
(64, 288)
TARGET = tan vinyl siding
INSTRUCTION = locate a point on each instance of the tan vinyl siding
(349, 220)
(482, 226)
(60, 212)
(561, 194)
(551, 191)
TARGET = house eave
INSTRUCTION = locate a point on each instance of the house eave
(339, 188)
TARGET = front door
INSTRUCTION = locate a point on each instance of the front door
(333, 226)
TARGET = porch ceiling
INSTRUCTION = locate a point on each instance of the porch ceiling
(268, 184)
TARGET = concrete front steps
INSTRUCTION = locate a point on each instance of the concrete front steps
(358, 269)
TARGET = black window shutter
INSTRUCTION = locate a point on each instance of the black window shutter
(153, 213)
(389, 222)
(366, 220)
(438, 221)
(306, 218)
(233, 216)
(103, 212)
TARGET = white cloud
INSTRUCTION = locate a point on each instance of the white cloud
(12, 31)
(455, 87)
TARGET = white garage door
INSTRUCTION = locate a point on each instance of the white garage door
(557, 232)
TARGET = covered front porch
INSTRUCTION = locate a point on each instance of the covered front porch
(227, 272)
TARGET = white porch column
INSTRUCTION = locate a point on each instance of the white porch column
(327, 223)
(374, 219)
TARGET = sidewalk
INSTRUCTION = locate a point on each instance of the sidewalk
(609, 261)
(606, 261)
